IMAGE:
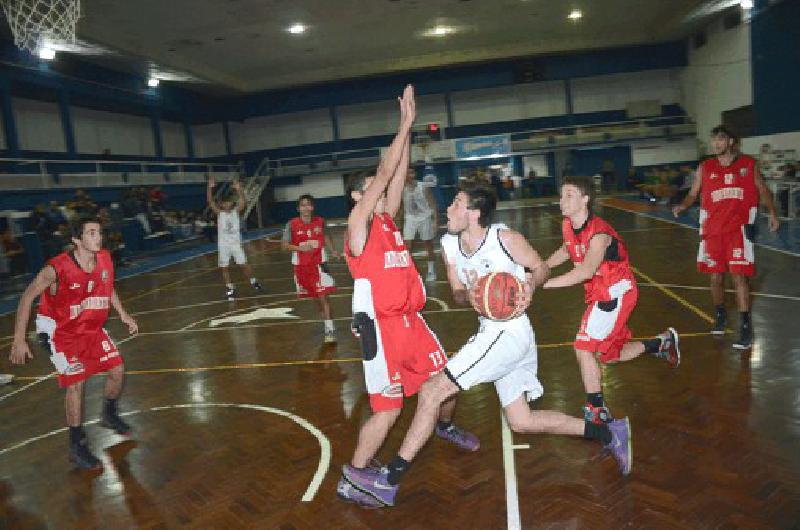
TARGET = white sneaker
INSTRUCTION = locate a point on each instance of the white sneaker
(6, 379)
(330, 337)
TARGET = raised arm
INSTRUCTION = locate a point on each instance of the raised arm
(20, 352)
(242, 202)
(394, 195)
(766, 199)
(210, 195)
(357, 221)
(692, 195)
(587, 268)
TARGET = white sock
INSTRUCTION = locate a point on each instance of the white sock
(229, 285)
(253, 280)
(329, 326)
(431, 269)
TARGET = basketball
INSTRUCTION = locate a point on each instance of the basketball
(496, 295)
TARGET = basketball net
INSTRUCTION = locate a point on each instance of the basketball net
(35, 23)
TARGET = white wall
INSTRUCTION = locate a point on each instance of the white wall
(789, 140)
(507, 103)
(718, 77)
(209, 140)
(173, 139)
(281, 130)
(382, 117)
(615, 91)
(327, 185)
(38, 125)
(654, 152)
(122, 134)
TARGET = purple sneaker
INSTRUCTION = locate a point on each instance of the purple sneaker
(373, 482)
(620, 445)
(349, 493)
(459, 437)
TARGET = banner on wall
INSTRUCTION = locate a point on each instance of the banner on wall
(483, 147)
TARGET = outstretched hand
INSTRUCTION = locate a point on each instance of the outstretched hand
(408, 106)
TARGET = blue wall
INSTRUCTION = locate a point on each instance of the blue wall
(775, 40)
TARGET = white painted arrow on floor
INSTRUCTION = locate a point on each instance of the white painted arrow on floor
(258, 314)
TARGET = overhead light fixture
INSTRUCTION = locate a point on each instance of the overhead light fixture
(297, 29)
(47, 53)
(153, 82)
(575, 14)
(439, 31)
(746, 4)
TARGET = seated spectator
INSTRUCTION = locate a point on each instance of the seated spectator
(13, 253)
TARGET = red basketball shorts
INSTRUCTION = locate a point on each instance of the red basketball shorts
(313, 281)
(604, 326)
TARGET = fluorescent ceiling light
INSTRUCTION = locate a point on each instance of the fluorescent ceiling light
(746, 4)
(297, 29)
(152, 82)
(47, 53)
(439, 31)
(575, 14)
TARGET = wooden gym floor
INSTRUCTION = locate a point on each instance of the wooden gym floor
(244, 422)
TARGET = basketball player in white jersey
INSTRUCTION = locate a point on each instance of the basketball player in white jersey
(501, 352)
(229, 236)
(420, 218)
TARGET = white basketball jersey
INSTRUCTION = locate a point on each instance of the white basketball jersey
(414, 201)
(491, 255)
(228, 228)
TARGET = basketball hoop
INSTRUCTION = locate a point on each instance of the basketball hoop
(37, 23)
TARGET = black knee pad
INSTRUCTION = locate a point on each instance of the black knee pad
(364, 327)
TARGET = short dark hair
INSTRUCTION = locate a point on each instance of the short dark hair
(79, 225)
(722, 130)
(306, 197)
(481, 198)
(355, 182)
(584, 185)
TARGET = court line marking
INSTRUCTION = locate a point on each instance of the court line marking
(704, 288)
(304, 362)
(509, 467)
(324, 443)
(699, 312)
(693, 229)
(35, 381)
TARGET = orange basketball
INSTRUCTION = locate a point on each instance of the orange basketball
(496, 295)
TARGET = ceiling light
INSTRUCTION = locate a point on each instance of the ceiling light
(439, 31)
(746, 4)
(152, 82)
(575, 14)
(47, 53)
(297, 29)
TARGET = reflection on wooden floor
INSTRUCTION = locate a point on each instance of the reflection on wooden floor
(234, 403)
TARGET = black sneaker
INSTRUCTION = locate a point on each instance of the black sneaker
(82, 457)
(230, 293)
(257, 286)
(745, 341)
(115, 423)
(719, 323)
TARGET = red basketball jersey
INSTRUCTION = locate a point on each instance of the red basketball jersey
(315, 230)
(615, 265)
(728, 195)
(386, 280)
(79, 305)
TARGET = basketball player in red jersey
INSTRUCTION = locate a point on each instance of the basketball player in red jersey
(601, 264)
(730, 186)
(77, 288)
(400, 351)
(305, 237)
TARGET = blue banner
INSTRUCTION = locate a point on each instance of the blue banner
(483, 146)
